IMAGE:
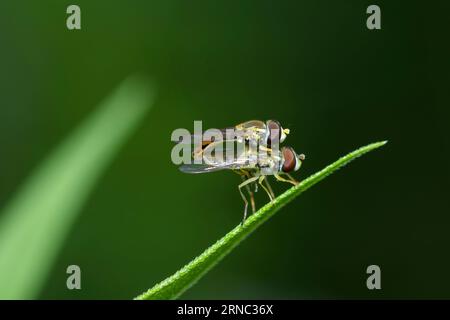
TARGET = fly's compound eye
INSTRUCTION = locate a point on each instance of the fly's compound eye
(290, 160)
(275, 133)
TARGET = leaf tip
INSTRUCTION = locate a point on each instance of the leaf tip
(378, 144)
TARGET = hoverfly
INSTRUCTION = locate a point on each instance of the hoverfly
(255, 161)
(255, 131)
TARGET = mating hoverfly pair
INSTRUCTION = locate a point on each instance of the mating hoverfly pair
(257, 156)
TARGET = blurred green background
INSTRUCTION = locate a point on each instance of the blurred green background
(315, 67)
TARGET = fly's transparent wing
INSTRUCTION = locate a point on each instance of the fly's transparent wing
(193, 138)
(229, 152)
(199, 168)
(216, 157)
(248, 129)
(253, 129)
(205, 168)
(252, 124)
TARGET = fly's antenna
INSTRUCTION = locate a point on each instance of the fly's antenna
(286, 131)
(301, 156)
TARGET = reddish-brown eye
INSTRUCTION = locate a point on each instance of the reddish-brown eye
(289, 160)
(274, 132)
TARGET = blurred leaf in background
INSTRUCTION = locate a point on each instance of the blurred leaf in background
(35, 223)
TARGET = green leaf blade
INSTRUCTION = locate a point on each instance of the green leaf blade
(175, 285)
(35, 222)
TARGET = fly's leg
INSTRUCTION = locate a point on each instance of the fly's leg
(243, 184)
(252, 197)
(249, 175)
(266, 180)
(291, 178)
(260, 181)
(246, 204)
(279, 178)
